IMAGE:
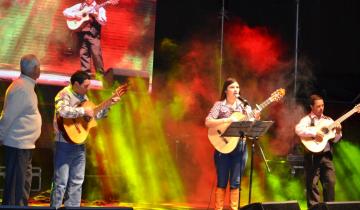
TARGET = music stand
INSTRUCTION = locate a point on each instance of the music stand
(252, 130)
(238, 129)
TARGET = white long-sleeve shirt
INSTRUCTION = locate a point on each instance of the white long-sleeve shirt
(20, 120)
(72, 11)
(304, 129)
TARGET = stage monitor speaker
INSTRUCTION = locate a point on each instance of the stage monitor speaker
(348, 205)
(27, 207)
(72, 208)
(287, 205)
(97, 208)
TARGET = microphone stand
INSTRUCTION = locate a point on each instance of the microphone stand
(242, 135)
(263, 156)
(254, 140)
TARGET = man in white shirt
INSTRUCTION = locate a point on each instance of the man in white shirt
(20, 127)
(89, 33)
(318, 166)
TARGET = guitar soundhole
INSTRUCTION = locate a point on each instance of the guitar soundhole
(87, 118)
(325, 130)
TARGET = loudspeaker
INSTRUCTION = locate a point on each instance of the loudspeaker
(72, 208)
(287, 205)
(349, 205)
(97, 208)
(27, 207)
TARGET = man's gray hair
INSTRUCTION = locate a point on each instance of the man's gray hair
(28, 64)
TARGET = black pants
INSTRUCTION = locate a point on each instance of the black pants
(90, 48)
(319, 167)
(18, 175)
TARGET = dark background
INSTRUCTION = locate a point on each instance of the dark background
(328, 37)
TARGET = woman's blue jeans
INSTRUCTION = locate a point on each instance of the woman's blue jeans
(230, 167)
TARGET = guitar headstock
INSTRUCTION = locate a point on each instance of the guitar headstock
(277, 95)
(121, 90)
(357, 107)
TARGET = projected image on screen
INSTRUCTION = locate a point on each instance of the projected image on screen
(39, 27)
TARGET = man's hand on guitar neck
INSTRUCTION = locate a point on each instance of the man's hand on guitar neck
(117, 95)
(115, 99)
(338, 128)
(89, 112)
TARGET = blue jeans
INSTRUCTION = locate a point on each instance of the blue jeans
(69, 172)
(229, 166)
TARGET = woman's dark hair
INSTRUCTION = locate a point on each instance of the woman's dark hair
(227, 82)
(80, 77)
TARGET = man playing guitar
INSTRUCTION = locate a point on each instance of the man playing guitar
(90, 18)
(318, 166)
(69, 157)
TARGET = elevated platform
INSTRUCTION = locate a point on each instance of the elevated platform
(57, 79)
(47, 78)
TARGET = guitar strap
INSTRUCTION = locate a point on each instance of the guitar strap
(312, 121)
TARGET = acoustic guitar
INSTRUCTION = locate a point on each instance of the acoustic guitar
(328, 130)
(75, 24)
(228, 144)
(76, 130)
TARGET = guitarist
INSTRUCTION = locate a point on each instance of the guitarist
(228, 166)
(69, 158)
(89, 35)
(318, 166)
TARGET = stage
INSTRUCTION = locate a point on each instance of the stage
(152, 151)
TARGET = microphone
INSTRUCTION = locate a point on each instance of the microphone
(245, 102)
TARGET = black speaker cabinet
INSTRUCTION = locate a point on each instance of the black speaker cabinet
(72, 208)
(98, 208)
(287, 205)
(27, 207)
(349, 205)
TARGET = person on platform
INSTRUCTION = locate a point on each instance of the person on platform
(230, 166)
(69, 158)
(20, 127)
(318, 166)
(89, 33)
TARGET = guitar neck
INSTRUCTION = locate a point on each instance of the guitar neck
(102, 4)
(261, 106)
(107, 103)
(277, 95)
(103, 105)
(96, 7)
(342, 118)
(264, 104)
